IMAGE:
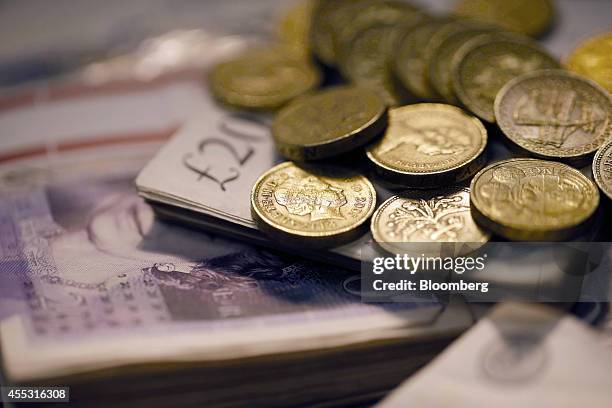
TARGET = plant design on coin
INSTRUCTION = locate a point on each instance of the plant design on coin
(436, 218)
(416, 216)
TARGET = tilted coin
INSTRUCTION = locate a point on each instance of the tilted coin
(324, 21)
(555, 114)
(602, 169)
(429, 145)
(530, 17)
(593, 59)
(441, 61)
(533, 200)
(444, 32)
(366, 13)
(329, 123)
(326, 207)
(409, 62)
(262, 79)
(294, 28)
(365, 61)
(404, 222)
(486, 63)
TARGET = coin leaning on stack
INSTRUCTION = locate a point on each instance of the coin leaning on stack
(555, 115)
(319, 207)
(389, 52)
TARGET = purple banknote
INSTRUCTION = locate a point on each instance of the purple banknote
(81, 252)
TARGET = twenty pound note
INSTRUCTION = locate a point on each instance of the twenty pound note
(205, 174)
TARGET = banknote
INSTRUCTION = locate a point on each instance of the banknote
(84, 260)
(520, 355)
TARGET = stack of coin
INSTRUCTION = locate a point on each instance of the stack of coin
(480, 63)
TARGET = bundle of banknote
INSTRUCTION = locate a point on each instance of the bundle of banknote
(183, 299)
(99, 295)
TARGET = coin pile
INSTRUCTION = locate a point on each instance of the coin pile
(406, 94)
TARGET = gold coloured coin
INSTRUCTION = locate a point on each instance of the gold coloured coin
(602, 169)
(486, 63)
(294, 28)
(329, 123)
(416, 217)
(409, 62)
(365, 61)
(448, 30)
(593, 59)
(533, 200)
(367, 13)
(555, 114)
(428, 145)
(323, 207)
(262, 79)
(442, 58)
(530, 17)
(324, 21)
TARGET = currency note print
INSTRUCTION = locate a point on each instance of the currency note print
(217, 156)
(235, 139)
(85, 255)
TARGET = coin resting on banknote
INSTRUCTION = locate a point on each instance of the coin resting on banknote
(533, 200)
(322, 207)
(554, 114)
(329, 123)
(602, 169)
(593, 59)
(429, 145)
(426, 216)
(263, 79)
(486, 63)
